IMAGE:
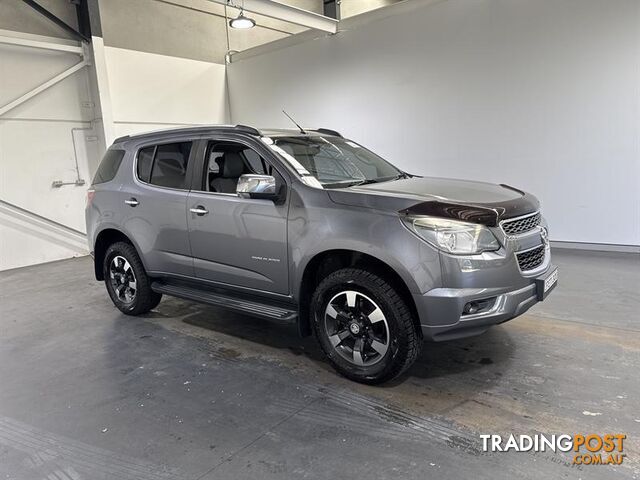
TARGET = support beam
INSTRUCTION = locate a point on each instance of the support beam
(102, 90)
(25, 42)
(42, 87)
(99, 76)
(82, 14)
(46, 13)
(286, 13)
(332, 8)
(41, 221)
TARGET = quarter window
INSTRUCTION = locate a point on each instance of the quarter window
(108, 166)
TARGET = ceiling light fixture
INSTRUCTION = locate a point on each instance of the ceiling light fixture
(241, 22)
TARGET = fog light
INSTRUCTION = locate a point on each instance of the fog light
(478, 306)
(471, 307)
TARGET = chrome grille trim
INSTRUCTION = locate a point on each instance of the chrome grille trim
(516, 226)
(532, 258)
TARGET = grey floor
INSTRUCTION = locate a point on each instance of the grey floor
(192, 392)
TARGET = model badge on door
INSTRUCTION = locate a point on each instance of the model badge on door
(265, 259)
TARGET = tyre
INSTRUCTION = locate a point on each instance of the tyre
(127, 283)
(364, 326)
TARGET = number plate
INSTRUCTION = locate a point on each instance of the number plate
(545, 284)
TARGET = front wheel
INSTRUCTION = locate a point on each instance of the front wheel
(364, 326)
(126, 280)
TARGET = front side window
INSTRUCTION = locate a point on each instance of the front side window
(335, 162)
(164, 165)
(226, 162)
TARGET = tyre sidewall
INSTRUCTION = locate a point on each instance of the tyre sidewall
(119, 250)
(323, 294)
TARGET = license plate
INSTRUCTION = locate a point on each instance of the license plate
(546, 284)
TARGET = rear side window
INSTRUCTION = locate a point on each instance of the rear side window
(108, 166)
(164, 165)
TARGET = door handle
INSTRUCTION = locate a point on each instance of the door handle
(199, 210)
(132, 202)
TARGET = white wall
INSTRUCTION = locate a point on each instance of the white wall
(37, 148)
(540, 94)
(150, 91)
(146, 92)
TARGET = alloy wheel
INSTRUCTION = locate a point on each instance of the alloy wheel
(123, 280)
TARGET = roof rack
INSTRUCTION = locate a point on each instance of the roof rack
(327, 131)
(202, 128)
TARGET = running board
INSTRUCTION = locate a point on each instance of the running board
(236, 304)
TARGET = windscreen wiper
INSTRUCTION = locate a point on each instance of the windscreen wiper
(367, 181)
(381, 179)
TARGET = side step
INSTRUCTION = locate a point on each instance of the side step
(240, 305)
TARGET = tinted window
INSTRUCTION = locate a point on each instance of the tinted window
(108, 166)
(170, 165)
(145, 159)
(255, 161)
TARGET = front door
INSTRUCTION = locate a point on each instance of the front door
(236, 241)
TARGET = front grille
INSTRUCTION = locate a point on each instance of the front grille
(521, 225)
(531, 259)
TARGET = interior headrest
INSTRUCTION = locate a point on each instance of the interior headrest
(233, 165)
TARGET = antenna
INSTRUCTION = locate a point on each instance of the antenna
(294, 122)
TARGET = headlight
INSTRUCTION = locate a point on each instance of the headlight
(452, 236)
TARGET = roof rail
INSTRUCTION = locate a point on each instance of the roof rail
(247, 129)
(194, 129)
(328, 131)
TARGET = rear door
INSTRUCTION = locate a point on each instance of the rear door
(236, 241)
(156, 205)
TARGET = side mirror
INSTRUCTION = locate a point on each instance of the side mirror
(257, 186)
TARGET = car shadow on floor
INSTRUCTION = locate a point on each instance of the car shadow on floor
(482, 356)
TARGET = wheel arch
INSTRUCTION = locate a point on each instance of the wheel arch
(327, 262)
(104, 239)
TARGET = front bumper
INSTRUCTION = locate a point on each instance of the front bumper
(441, 310)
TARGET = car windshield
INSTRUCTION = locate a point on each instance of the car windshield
(336, 162)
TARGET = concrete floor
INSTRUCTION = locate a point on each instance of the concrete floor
(193, 392)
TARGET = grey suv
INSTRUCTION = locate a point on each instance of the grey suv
(311, 228)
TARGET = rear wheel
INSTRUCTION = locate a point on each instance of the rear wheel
(127, 283)
(364, 326)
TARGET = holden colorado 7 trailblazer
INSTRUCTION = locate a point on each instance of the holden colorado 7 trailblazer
(311, 228)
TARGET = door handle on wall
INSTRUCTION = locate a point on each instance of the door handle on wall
(199, 210)
(132, 202)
